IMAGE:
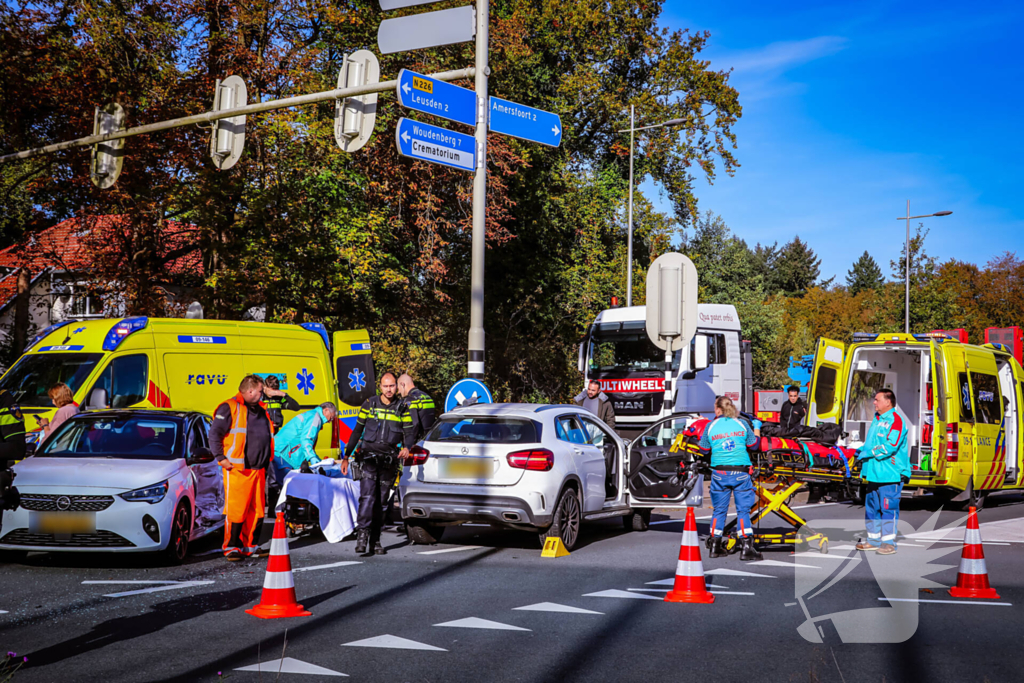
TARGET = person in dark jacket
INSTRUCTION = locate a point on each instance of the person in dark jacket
(421, 409)
(596, 401)
(793, 411)
(382, 426)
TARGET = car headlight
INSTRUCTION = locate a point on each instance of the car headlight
(150, 494)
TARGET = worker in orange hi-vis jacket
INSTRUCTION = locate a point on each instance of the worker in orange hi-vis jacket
(243, 442)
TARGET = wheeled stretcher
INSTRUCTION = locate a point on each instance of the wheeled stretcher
(782, 468)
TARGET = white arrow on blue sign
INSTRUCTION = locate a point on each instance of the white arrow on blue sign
(465, 389)
(422, 93)
(436, 145)
(525, 123)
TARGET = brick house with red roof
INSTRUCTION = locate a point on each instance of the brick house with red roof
(59, 260)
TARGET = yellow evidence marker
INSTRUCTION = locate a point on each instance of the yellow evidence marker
(553, 547)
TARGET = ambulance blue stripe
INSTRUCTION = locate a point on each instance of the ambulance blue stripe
(359, 347)
(61, 348)
(198, 339)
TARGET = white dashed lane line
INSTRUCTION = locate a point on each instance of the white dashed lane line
(325, 566)
(159, 586)
(450, 550)
(948, 602)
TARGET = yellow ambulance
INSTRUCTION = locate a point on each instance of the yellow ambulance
(961, 402)
(192, 365)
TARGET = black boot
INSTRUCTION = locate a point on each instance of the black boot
(378, 549)
(749, 552)
(718, 547)
(362, 538)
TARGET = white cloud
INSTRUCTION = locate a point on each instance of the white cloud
(780, 56)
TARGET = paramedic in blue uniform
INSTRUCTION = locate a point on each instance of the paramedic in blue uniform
(728, 437)
(886, 468)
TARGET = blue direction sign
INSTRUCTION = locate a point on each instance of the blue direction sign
(464, 389)
(436, 145)
(422, 93)
(526, 123)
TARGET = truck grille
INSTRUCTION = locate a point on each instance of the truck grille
(97, 539)
(45, 502)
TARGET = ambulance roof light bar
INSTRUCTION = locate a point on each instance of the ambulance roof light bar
(119, 332)
(319, 329)
(42, 335)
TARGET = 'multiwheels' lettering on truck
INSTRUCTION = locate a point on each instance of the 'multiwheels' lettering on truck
(631, 370)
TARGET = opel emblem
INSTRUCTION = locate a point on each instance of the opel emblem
(63, 503)
(465, 451)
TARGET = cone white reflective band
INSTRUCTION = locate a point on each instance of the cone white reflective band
(689, 568)
(968, 566)
(691, 538)
(972, 537)
(278, 580)
(279, 546)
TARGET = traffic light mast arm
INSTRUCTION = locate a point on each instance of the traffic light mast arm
(209, 117)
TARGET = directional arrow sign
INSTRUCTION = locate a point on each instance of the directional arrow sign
(526, 123)
(422, 93)
(436, 145)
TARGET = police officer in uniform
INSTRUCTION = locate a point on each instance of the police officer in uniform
(277, 401)
(421, 409)
(382, 426)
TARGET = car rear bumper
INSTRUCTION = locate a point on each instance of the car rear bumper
(492, 509)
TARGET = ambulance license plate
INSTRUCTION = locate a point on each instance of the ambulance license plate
(466, 468)
(62, 522)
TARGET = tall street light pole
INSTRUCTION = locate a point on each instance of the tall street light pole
(629, 218)
(908, 218)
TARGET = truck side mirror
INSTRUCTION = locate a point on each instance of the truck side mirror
(700, 352)
(97, 399)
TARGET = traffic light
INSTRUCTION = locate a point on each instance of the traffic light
(228, 136)
(354, 116)
(107, 157)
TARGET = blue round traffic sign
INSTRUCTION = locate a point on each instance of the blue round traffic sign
(464, 389)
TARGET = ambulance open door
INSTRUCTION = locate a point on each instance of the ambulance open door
(355, 375)
(825, 391)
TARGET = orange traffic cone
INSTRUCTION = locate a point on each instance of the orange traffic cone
(689, 586)
(278, 599)
(972, 579)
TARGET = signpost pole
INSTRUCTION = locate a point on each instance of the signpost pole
(476, 304)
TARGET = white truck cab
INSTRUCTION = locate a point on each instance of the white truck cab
(631, 369)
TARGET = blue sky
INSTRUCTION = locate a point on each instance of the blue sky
(852, 108)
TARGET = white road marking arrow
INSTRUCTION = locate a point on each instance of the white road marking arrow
(555, 607)
(290, 666)
(620, 594)
(393, 642)
(476, 622)
(405, 137)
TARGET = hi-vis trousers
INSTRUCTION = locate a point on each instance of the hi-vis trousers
(244, 493)
(882, 513)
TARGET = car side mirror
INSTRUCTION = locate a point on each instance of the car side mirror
(97, 399)
(202, 456)
(700, 352)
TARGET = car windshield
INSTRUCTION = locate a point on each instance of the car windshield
(627, 352)
(132, 437)
(485, 430)
(33, 375)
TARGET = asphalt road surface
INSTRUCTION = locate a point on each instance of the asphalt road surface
(483, 605)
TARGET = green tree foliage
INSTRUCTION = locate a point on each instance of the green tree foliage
(865, 274)
(792, 269)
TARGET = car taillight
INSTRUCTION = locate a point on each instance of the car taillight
(953, 442)
(417, 456)
(336, 433)
(538, 459)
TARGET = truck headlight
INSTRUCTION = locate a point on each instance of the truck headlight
(150, 494)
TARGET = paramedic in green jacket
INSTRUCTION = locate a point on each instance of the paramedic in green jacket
(886, 468)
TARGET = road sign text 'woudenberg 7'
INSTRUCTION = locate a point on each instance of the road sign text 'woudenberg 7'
(436, 145)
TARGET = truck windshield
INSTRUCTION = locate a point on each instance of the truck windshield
(627, 352)
(31, 376)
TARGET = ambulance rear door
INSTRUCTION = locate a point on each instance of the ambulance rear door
(989, 465)
(825, 392)
(936, 416)
(355, 377)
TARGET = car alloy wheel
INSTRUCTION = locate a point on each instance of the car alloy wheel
(177, 545)
(569, 518)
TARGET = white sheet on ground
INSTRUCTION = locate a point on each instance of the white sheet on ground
(337, 500)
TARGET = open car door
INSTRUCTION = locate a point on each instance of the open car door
(825, 391)
(356, 378)
(652, 467)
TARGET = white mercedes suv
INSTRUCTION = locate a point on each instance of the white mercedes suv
(543, 468)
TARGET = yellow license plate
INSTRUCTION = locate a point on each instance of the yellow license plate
(467, 468)
(62, 522)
